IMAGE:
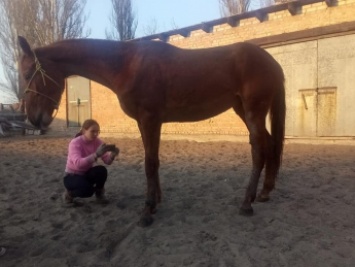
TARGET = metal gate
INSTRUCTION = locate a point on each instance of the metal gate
(78, 100)
(299, 62)
(319, 80)
(336, 78)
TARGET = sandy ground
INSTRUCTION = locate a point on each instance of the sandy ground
(310, 220)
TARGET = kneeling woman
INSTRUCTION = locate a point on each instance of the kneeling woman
(83, 179)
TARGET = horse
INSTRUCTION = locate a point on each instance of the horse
(156, 83)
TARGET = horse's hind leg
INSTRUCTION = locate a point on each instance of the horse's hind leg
(238, 108)
(270, 166)
(270, 173)
(150, 129)
(255, 121)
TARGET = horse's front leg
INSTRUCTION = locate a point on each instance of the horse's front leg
(150, 130)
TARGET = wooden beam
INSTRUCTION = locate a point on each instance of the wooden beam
(330, 3)
(163, 37)
(294, 8)
(233, 21)
(260, 15)
(185, 33)
(207, 28)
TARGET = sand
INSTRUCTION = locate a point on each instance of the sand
(310, 220)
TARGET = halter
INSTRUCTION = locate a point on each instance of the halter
(43, 74)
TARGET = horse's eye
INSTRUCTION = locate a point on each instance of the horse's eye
(27, 76)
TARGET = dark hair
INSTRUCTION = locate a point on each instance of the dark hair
(86, 125)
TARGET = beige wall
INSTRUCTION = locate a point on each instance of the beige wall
(105, 106)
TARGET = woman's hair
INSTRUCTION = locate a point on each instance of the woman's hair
(86, 125)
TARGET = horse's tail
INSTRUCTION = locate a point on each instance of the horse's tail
(277, 118)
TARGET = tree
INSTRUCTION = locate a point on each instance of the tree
(41, 22)
(232, 7)
(265, 3)
(123, 21)
(151, 28)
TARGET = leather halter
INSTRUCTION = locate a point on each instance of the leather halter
(44, 75)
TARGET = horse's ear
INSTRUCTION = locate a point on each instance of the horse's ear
(26, 48)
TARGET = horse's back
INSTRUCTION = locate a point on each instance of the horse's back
(225, 58)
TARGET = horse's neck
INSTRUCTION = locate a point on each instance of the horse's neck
(87, 58)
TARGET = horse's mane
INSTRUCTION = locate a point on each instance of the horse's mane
(72, 47)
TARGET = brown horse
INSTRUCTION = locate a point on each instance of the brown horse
(156, 83)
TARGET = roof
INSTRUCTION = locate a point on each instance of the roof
(233, 21)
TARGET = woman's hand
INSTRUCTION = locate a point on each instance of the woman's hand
(101, 150)
(114, 153)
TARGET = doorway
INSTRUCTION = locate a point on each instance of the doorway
(79, 106)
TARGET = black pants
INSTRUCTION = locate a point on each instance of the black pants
(86, 185)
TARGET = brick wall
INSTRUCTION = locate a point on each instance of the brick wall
(307, 15)
(106, 110)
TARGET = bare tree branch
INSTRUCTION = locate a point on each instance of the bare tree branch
(174, 26)
(151, 28)
(232, 7)
(123, 21)
(41, 22)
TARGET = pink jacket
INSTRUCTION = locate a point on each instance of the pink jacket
(81, 155)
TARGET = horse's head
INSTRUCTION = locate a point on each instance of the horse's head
(44, 85)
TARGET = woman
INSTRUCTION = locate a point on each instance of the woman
(83, 179)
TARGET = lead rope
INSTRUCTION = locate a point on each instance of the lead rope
(43, 74)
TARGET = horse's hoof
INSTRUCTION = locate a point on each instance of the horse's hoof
(145, 221)
(153, 211)
(246, 211)
(263, 198)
